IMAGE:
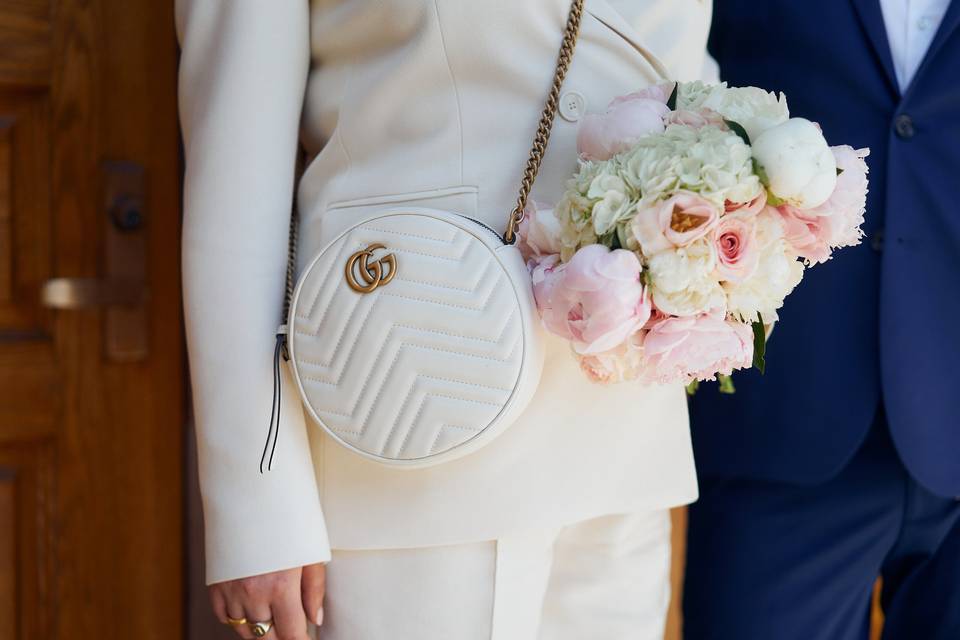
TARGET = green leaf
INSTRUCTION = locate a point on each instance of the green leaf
(672, 100)
(738, 129)
(839, 171)
(692, 388)
(726, 385)
(761, 172)
(615, 241)
(759, 345)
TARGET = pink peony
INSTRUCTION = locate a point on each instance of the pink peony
(815, 233)
(539, 233)
(657, 92)
(620, 364)
(596, 300)
(808, 234)
(696, 348)
(626, 120)
(737, 252)
(676, 222)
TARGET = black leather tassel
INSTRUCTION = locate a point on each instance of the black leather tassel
(280, 350)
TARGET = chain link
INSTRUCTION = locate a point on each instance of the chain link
(570, 33)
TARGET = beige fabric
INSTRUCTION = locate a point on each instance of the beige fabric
(603, 579)
(411, 101)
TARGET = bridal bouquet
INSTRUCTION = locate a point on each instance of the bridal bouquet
(693, 214)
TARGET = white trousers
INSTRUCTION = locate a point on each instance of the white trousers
(607, 578)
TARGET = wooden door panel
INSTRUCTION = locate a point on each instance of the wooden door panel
(24, 210)
(26, 501)
(90, 446)
(27, 57)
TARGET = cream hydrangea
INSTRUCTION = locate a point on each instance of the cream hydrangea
(682, 281)
(691, 95)
(752, 108)
(778, 273)
(710, 161)
(597, 200)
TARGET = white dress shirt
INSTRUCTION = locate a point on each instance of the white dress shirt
(911, 26)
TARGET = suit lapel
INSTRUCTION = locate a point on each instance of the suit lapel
(951, 20)
(871, 18)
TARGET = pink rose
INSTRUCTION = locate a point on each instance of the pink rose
(539, 233)
(682, 219)
(620, 364)
(737, 252)
(753, 207)
(596, 300)
(696, 348)
(627, 119)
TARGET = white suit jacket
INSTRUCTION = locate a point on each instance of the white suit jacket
(397, 101)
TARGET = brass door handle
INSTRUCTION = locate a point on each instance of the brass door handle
(87, 293)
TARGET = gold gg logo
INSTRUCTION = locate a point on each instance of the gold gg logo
(373, 274)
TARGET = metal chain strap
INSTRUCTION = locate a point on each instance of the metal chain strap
(291, 261)
(570, 33)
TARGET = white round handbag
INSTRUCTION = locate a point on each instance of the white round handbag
(413, 336)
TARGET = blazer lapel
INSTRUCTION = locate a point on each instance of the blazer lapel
(951, 20)
(871, 18)
(615, 21)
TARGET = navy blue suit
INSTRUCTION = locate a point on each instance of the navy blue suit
(805, 470)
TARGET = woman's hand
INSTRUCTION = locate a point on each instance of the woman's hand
(289, 598)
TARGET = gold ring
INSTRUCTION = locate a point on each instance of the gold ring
(260, 629)
(235, 622)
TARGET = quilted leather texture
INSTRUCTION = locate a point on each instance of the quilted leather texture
(421, 365)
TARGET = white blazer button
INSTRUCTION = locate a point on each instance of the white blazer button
(572, 106)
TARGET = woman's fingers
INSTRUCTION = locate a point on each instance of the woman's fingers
(219, 605)
(235, 610)
(274, 599)
(289, 621)
(313, 586)
(257, 603)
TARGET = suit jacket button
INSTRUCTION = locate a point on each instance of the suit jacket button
(903, 125)
(572, 106)
(876, 241)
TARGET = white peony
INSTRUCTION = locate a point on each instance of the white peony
(682, 281)
(754, 109)
(777, 274)
(797, 163)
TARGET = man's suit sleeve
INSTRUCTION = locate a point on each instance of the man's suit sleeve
(242, 79)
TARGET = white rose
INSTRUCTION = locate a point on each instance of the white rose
(778, 273)
(799, 166)
(754, 109)
(682, 280)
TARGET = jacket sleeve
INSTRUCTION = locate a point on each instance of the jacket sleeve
(243, 73)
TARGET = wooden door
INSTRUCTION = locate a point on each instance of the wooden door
(91, 372)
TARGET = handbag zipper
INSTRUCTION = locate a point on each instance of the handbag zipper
(487, 227)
